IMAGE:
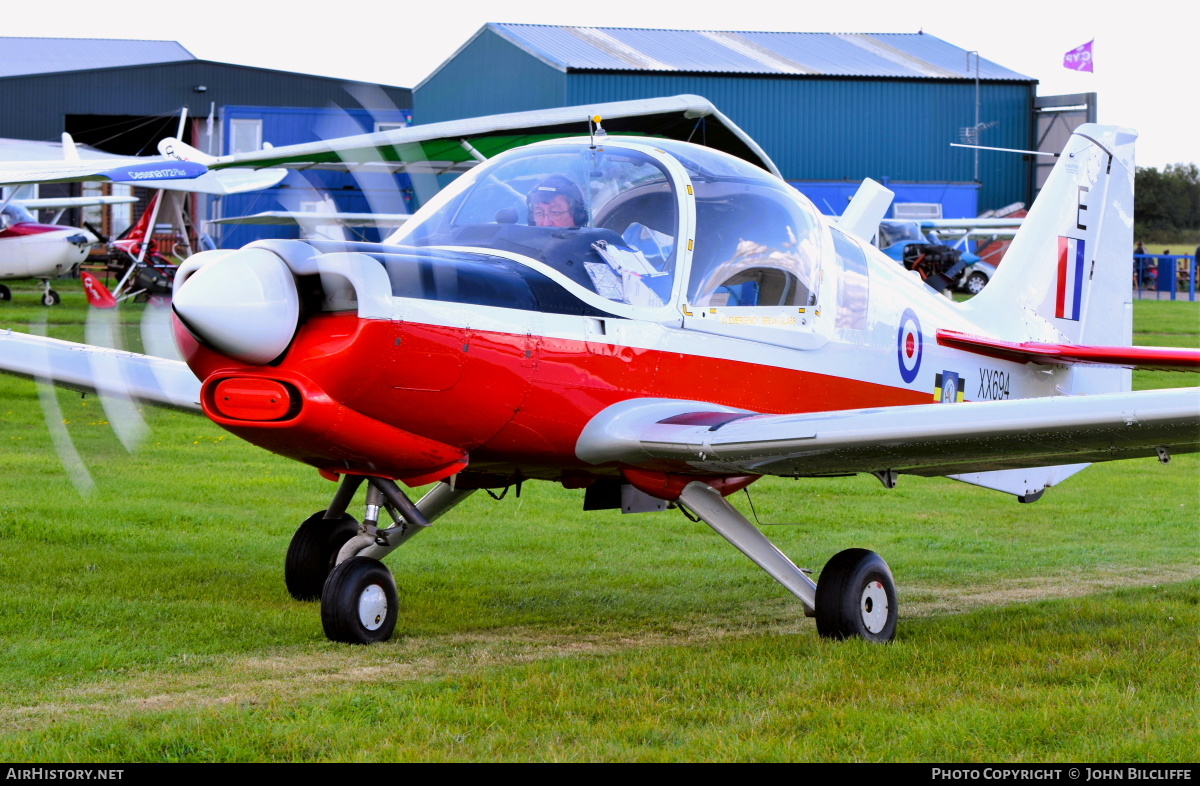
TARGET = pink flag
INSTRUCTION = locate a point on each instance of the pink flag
(1079, 58)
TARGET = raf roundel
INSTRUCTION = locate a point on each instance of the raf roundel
(909, 346)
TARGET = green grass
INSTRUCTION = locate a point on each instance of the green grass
(148, 620)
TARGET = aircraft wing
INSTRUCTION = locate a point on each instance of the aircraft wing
(292, 218)
(923, 439)
(13, 173)
(54, 203)
(223, 182)
(91, 369)
(454, 145)
(970, 223)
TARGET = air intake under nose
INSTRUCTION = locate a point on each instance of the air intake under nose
(244, 304)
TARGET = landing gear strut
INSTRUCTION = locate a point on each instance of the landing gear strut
(856, 596)
(49, 297)
(335, 558)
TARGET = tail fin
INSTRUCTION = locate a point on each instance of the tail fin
(1068, 270)
(143, 229)
(97, 294)
(70, 152)
(182, 151)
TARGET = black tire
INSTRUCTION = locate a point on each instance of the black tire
(313, 552)
(856, 597)
(5, 294)
(975, 283)
(51, 298)
(359, 604)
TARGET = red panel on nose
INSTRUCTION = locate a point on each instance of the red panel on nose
(247, 398)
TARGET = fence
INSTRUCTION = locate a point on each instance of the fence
(1159, 276)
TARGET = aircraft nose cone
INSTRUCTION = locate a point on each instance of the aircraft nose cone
(243, 304)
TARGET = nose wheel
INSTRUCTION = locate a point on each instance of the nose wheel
(313, 553)
(359, 604)
(856, 597)
(49, 296)
(337, 560)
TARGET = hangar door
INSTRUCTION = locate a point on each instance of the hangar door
(1055, 118)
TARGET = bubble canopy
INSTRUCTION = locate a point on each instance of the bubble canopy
(758, 240)
(604, 217)
(616, 218)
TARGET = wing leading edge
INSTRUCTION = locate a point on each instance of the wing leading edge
(452, 146)
(158, 381)
(924, 439)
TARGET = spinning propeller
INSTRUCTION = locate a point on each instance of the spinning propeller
(245, 305)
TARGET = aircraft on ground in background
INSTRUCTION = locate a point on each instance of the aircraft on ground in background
(919, 244)
(29, 249)
(657, 323)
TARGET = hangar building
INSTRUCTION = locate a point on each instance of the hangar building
(122, 96)
(829, 108)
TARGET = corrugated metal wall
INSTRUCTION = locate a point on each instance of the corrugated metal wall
(161, 89)
(834, 129)
(815, 128)
(488, 76)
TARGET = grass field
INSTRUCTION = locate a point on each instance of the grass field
(147, 620)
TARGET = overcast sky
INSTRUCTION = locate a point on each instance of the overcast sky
(1146, 54)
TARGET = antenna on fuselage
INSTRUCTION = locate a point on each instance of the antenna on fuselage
(595, 130)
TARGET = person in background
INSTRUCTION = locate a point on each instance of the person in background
(1139, 265)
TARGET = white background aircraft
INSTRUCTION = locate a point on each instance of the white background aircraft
(660, 324)
(30, 249)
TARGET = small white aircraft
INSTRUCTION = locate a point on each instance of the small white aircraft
(661, 324)
(29, 249)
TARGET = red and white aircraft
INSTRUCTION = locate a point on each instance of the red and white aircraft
(31, 249)
(661, 324)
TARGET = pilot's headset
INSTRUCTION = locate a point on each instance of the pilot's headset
(555, 185)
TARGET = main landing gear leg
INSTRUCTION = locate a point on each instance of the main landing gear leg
(707, 503)
(359, 601)
(856, 596)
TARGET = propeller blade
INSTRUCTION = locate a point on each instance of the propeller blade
(158, 337)
(68, 456)
(102, 329)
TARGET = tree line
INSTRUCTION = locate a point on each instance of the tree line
(1166, 204)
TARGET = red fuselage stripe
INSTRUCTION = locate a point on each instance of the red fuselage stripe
(520, 401)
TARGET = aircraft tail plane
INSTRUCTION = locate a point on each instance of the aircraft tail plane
(1069, 267)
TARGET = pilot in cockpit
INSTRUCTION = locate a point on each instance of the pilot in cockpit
(556, 202)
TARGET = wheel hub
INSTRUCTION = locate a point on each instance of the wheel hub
(372, 607)
(874, 606)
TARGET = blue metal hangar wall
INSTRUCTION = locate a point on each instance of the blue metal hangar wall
(122, 96)
(830, 109)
